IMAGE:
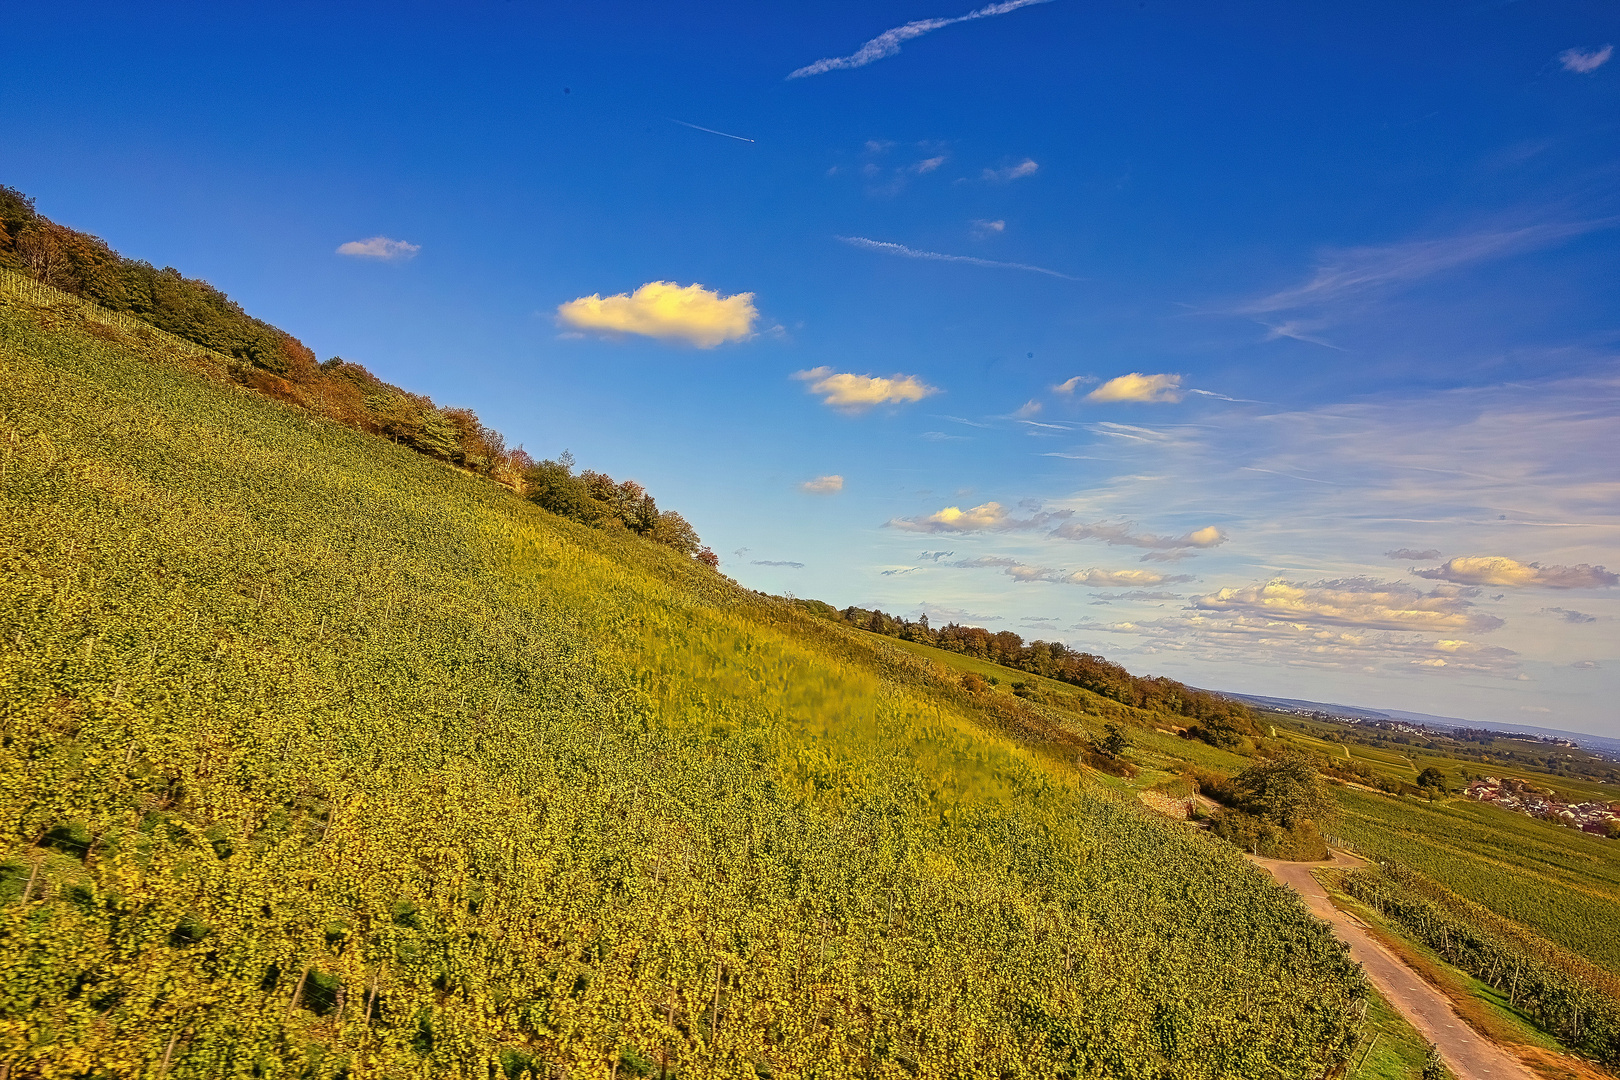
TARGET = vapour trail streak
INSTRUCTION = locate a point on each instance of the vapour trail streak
(912, 253)
(711, 131)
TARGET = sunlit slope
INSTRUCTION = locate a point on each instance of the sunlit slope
(324, 759)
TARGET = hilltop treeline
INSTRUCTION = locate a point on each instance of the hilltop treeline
(273, 362)
(1216, 719)
(596, 499)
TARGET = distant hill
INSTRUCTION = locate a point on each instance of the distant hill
(327, 758)
(1596, 743)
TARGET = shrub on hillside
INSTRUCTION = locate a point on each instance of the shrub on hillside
(1300, 843)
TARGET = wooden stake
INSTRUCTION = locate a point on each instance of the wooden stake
(298, 992)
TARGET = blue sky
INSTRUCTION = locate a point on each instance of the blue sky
(1238, 302)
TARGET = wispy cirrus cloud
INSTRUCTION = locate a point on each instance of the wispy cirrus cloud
(888, 43)
(661, 309)
(1501, 570)
(854, 393)
(1092, 577)
(1352, 272)
(1027, 167)
(380, 247)
(1585, 61)
(887, 248)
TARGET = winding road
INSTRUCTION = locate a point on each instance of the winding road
(1466, 1052)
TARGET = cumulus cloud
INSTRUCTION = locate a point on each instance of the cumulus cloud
(1121, 535)
(1569, 616)
(1500, 570)
(1091, 577)
(779, 562)
(665, 310)
(1139, 387)
(953, 519)
(982, 228)
(1024, 168)
(993, 517)
(1028, 409)
(1352, 602)
(1585, 61)
(843, 390)
(935, 556)
(1069, 386)
(901, 571)
(888, 43)
(1411, 555)
(823, 485)
(380, 247)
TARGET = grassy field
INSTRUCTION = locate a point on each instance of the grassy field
(325, 759)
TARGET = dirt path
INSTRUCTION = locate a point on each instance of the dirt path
(1466, 1052)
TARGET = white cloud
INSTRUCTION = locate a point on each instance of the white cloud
(993, 517)
(1570, 616)
(1091, 578)
(1351, 602)
(953, 519)
(1024, 168)
(1120, 535)
(823, 485)
(380, 247)
(1412, 555)
(664, 310)
(1500, 570)
(1343, 274)
(1139, 387)
(1585, 61)
(843, 390)
(778, 562)
(913, 253)
(928, 165)
(1069, 386)
(982, 228)
(1028, 409)
(888, 43)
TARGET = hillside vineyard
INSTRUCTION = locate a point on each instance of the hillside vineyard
(324, 758)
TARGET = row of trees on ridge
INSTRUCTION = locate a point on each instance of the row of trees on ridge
(273, 362)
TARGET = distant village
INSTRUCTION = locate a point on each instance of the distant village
(1524, 797)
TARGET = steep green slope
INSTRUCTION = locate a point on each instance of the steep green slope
(325, 759)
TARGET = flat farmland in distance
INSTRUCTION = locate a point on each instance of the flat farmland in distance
(1563, 884)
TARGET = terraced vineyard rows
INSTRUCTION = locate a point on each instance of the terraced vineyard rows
(325, 759)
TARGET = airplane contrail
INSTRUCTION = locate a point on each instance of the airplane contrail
(912, 253)
(711, 131)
